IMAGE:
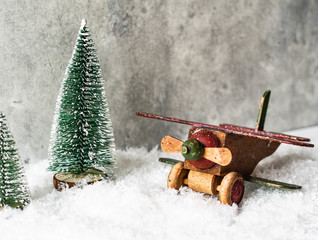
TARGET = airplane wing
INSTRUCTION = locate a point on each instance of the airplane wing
(270, 136)
(265, 133)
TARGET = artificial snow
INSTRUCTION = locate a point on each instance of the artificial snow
(137, 204)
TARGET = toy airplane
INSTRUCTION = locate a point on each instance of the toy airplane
(219, 158)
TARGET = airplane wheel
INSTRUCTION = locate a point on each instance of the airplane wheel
(176, 176)
(231, 189)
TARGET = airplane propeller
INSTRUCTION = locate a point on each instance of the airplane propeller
(193, 150)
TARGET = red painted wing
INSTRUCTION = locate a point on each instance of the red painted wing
(265, 133)
(237, 131)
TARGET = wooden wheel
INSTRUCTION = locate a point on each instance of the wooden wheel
(231, 189)
(176, 176)
(66, 179)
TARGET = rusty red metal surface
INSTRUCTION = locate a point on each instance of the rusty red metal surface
(265, 133)
(270, 136)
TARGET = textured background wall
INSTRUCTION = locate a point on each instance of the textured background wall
(205, 60)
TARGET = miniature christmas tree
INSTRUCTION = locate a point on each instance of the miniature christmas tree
(14, 191)
(82, 136)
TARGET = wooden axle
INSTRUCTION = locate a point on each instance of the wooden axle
(203, 182)
(230, 188)
(197, 181)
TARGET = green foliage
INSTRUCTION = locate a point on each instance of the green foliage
(82, 135)
(13, 187)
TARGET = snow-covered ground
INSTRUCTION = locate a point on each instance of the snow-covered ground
(137, 204)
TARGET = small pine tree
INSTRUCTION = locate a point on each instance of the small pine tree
(14, 190)
(82, 134)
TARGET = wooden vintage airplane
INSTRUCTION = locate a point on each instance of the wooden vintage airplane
(219, 158)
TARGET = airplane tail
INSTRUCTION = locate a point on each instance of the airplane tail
(262, 111)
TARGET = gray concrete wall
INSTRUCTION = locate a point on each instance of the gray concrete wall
(207, 61)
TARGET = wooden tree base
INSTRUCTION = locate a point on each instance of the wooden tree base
(1, 208)
(63, 180)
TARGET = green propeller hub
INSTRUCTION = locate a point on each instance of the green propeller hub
(192, 150)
